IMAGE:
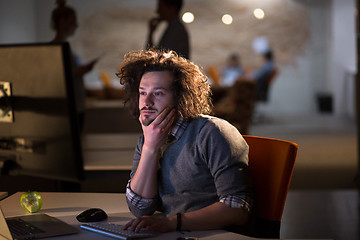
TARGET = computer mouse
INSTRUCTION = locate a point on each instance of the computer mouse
(92, 215)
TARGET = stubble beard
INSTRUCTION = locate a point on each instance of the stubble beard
(146, 120)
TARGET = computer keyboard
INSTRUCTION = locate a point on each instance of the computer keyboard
(18, 227)
(115, 230)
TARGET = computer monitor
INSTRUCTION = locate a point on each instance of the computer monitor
(39, 129)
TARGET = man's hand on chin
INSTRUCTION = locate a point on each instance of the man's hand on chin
(156, 133)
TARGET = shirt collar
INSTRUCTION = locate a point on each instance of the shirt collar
(179, 128)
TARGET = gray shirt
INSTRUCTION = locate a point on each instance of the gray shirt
(207, 161)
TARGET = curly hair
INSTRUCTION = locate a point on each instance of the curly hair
(192, 94)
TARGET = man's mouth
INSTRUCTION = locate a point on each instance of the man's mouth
(147, 111)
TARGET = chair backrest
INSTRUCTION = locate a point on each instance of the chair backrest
(271, 163)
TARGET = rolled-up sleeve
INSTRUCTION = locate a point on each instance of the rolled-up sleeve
(138, 205)
(238, 201)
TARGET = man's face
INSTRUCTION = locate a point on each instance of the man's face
(155, 94)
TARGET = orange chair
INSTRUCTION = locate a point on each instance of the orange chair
(214, 75)
(271, 163)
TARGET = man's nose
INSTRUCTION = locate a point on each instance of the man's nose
(148, 101)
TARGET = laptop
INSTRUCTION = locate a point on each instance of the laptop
(33, 227)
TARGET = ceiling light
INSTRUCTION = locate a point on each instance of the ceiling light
(259, 13)
(227, 19)
(188, 17)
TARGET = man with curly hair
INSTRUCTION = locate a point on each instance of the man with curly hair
(188, 165)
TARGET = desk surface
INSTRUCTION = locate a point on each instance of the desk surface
(65, 206)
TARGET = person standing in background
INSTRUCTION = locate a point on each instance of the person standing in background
(175, 37)
(64, 22)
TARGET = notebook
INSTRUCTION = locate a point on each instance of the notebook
(33, 226)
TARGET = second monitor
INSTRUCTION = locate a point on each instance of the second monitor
(39, 125)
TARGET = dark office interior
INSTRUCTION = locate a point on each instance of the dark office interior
(313, 100)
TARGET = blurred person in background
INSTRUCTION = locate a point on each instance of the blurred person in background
(175, 37)
(64, 23)
(264, 75)
(232, 71)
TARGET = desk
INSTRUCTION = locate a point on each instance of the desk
(65, 206)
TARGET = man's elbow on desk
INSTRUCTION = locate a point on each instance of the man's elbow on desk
(215, 216)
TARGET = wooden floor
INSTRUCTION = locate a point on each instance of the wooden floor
(327, 156)
(322, 214)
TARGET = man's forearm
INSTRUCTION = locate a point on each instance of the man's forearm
(144, 183)
(215, 216)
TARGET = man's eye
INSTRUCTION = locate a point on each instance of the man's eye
(142, 93)
(158, 93)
